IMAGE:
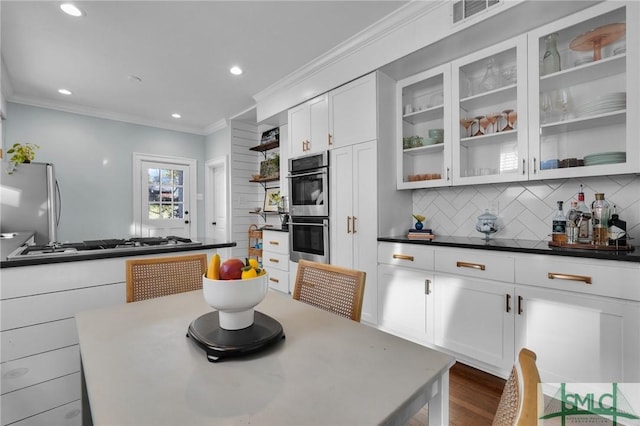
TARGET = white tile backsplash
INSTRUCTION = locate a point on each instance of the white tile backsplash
(524, 209)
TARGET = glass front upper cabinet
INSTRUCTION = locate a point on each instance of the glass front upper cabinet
(582, 125)
(424, 150)
(489, 114)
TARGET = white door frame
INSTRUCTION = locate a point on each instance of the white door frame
(209, 190)
(138, 158)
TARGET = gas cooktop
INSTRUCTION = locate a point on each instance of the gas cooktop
(31, 251)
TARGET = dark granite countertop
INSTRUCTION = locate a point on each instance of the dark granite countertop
(518, 246)
(207, 244)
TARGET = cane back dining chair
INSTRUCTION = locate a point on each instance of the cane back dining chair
(162, 276)
(332, 288)
(519, 403)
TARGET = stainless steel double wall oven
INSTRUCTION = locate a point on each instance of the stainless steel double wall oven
(309, 207)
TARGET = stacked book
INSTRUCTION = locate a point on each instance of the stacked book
(420, 234)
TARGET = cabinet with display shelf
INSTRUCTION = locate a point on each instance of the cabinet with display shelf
(489, 90)
(265, 181)
(602, 95)
(425, 105)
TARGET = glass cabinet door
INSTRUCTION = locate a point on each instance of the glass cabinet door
(424, 150)
(490, 114)
(583, 107)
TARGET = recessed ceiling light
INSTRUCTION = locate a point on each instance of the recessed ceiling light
(64, 91)
(176, 115)
(71, 9)
(235, 70)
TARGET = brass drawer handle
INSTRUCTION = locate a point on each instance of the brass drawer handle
(581, 278)
(271, 259)
(403, 257)
(275, 280)
(274, 243)
(461, 264)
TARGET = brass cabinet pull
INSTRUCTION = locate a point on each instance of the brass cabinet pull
(274, 260)
(348, 224)
(461, 264)
(354, 224)
(274, 243)
(403, 257)
(427, 286)
(508, 302)
(570, 277)
(275, 280)
(330, 139)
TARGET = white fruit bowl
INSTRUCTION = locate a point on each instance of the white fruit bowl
(235, 299)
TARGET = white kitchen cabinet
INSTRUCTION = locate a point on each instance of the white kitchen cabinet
(40, 362)
(309, 127)
(580, 316)
(423, 103)
(474, 295)
(275, 258)
(353, 113)
(353, 206)
(601, 108)
(405, 291)
(489, 89)
(579, 338)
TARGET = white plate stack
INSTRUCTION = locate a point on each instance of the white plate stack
(601, 104)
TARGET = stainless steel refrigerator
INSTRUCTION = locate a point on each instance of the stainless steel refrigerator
(30, 201)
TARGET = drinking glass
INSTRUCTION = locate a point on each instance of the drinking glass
(561, 102)
(545, 107)
(466, 123)
(484, 123)
(476, 120)
(493, 119)
(505, 114)
(512, 117)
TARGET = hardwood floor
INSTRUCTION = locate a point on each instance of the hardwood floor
(473, 398)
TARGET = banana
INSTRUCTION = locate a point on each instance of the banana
(213, 271)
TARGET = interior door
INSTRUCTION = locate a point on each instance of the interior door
(165, 207)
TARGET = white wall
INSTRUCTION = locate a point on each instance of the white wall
(93, 160)
(524, 209)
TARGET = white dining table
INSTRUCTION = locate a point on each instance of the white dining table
(140, 368)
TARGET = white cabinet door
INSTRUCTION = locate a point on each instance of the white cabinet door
(405, 302)
(423, 104)
(589, 107)
(309, 127)
(474, 318)
(354, 220)
(298, 129)
(579, 338)
(352, 112)
(318, 125)
(488, 150)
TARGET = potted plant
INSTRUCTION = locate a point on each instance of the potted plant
(21, 154)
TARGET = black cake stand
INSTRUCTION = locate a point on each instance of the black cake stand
(220, 343)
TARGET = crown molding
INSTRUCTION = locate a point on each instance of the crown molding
(403, 16)
(218, 125)
(104, 114)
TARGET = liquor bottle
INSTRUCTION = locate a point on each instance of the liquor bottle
(617, 230)
(584, 222)
(573, 216)
(559, 226)
(600, 220)
(490, 81)
(551, 58)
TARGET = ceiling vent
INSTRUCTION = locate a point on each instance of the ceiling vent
(463, 9)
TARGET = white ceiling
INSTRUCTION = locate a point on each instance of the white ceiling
(182, 51)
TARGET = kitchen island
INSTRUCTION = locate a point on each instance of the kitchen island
(40, 296)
